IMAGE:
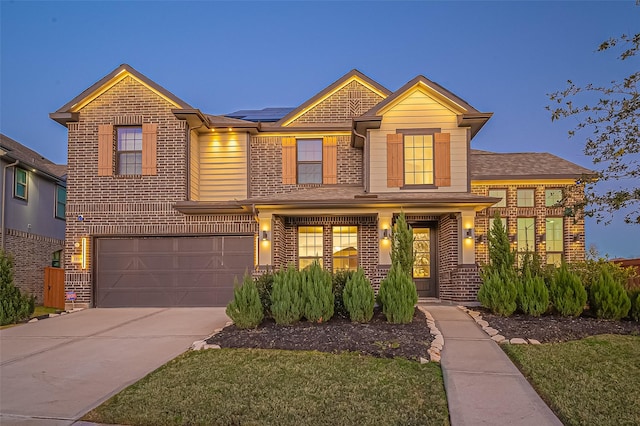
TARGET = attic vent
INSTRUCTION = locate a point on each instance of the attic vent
(355, 103)
(127, 120)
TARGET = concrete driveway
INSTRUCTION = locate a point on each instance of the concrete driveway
(54, 371)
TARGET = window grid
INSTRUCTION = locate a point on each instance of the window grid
(61, 202)
(552, 197)
(129, 155)
(526, 234)
(309, 160)
(418, 159)
(499, 193)
(345, 248)
(422, 253)
(20, 187)
(310, 247)
(554, 240)
(525, 198)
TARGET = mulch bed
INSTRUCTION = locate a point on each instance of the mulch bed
(377, 338)
(554, 328)
(381, 339)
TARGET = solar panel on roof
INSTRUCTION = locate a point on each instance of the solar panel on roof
(270, 114)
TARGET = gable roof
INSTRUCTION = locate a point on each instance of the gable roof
(68, 112)
(354, 74)
(485, 165)
(29, 158)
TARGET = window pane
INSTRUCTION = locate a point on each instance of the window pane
(61, 202)
(525, 197)
(554, 236)
(422, 253)
(526, 234)
(345, 248)
(310, 246)
(499, 193)
(554, 259)
(129, 139)
(309, 149)
(418, 159)
(552, 197)
(20, 186)
(309, 173)
(130, 163)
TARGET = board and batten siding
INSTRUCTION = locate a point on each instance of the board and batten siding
(223, 166)
(418, 111)
(194, 166)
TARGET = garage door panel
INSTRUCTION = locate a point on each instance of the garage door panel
(170, 271)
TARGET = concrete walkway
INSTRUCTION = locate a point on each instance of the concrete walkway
(54, 371)
(483, 386)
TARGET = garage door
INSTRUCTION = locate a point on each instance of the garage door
(170, 271)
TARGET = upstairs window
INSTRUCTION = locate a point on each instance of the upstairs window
(309, 161)
(552, 197)
(61, 202)
(418, 160)
(499, 193)
(129, 151)
(20, 187)
(525, 198)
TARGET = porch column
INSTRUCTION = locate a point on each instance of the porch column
(385, 218)
(265, 238)
(468, 238)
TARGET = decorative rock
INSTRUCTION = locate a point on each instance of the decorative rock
(534, 341)
(211, 346)
(435, 357)
(482, 323)
(53, 315)
(439, 340)
(198, 345)
(473, 313)
(423, 360)
(499, 338)
(490, 331)
(436, 346)
(33, 320)
(517, 341)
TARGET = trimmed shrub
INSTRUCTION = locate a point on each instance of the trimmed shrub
(533, 295)
(568, 295)
(402, 245)
(607, 297)
(398, 296)
(498, 291)
(264, 284)
(287, 301)
(340, 279)
(245, 309)
(501, 256)
(359, 297)
(318, 294)
(14, 306)
(634, 312)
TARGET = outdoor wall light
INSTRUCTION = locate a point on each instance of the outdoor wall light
(385, 234)
(265, 236)
(468, 233)
(482, 239)
(577, 238)
(513, 238)
(541, 238)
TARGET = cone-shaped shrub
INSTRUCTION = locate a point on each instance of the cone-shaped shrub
(568, 295)
(264, 284)
(14, 306)
(398, 296)
(634, 312)
(533, 295)
(287, 301)
(607, 297)
(317, 290)
(340, 279)
(245, 309)
(359, 297)
(498, 291)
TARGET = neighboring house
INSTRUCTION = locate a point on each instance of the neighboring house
(32, 213)
(170, 204)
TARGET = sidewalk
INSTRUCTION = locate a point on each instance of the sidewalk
(482, 384)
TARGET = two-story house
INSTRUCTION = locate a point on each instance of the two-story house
(167, 204)
(32, 213)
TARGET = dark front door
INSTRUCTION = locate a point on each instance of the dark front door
(424, 262)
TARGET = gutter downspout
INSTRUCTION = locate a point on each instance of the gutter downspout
(4, 190)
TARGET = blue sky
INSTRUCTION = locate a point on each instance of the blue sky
(502, 57)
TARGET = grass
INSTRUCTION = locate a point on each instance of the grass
(593, 381)
(262, 387)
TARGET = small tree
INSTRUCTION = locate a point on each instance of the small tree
(498, 291)
(14, 306)
(533, 295)
(402, 245)
(245, 309)
(398, 296)
(287, 301)
(359, 297)
(264, 284)
(607, 298)
(318, 294)
(500, 254)
(340, 279)
(568, 295)
(634, 312)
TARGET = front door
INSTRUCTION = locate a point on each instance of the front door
(424, 261)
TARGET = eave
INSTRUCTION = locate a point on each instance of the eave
(474, 120)
(211, 207)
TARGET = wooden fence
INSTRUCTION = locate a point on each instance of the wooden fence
(54, 287)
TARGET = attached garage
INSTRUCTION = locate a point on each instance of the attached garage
(170, 271)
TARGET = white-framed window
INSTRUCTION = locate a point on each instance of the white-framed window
(61, 202)
(552, 197)
(525, 198)
(310, 248)
(345, 248)
(20, 187)
(418, 160)
(129, 150)
(499, 193)
(526, 234)
(309, 160)
(554, 240)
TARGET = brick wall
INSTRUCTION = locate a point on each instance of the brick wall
(31, 254)
(265, 170)
(573, 251)
(352, 100)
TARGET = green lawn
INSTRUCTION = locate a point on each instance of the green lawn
(262, 387)
(593, 381)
